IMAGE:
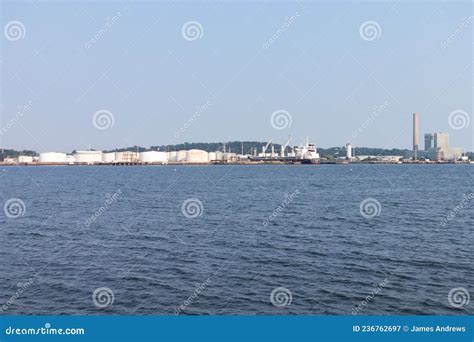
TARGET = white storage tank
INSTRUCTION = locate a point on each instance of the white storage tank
(126, 157)
(219, 155)
(229, 156)
(153, 157)
(25, 159)
(197, 156)
(108, 157)
(88, 157)
(181, 155)
(52, 158)
(70, 159)
(212, 156)
(173, 156)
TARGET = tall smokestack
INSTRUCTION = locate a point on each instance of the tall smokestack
(415, 135)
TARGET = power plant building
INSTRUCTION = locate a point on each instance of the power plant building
(415, 135)
(429, 141)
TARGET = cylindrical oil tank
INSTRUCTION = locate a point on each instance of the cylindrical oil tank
(182, 155)
(219, 155)
(212, 156)
(126, 157)
(173, 156)
(153, 157)
(229, 156)
(25, 159)
(108, 157)
(52, 158)
(70, 159)
(88, 157)
(197, 156)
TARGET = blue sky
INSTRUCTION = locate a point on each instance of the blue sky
(250, 59)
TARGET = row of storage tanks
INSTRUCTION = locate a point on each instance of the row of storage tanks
(148, 157)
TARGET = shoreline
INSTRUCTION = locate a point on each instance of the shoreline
(241, 163)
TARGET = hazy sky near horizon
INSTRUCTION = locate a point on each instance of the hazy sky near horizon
(313, 62)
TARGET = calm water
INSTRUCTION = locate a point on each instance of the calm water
(123, 228)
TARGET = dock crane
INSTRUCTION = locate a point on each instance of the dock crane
(264, 149)
(283, 149)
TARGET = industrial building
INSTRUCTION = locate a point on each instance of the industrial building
(436, 145)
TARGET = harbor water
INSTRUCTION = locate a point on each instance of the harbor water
(200, 240)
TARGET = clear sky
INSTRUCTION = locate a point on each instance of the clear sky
(329, 65)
